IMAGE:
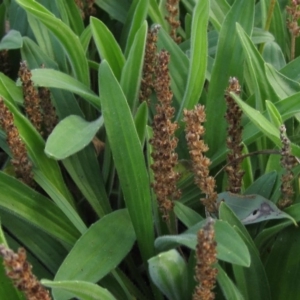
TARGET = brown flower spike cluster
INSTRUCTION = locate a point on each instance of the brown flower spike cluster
(20, 161)
(48, 111)
(206, 255)
(164, 142)
(86, 8)
(172, 18)
(234, 138)
(149, 65)
(287, 162)
(292, 23)
(31, 98)
(194, 135)
(19, 271)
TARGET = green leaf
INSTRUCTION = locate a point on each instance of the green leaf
(282, 264)
(283, 86)
(55, 79)
(138, 19)
(218, 12)
(228, 241)
(186, 215)
(107, 46)
(65, 35)
(228, 62)
(12, 40)
(168, 271)
(70, 136)
(99, 250)
(22, 201)
(132, 70)
(115, 8)
(80, 289)
(128, 158)
(263, 124)
(257, 81)
(229, 290)
(252, 208)
(273, 55)
(263, 186)
(198, 58)
(274, 114)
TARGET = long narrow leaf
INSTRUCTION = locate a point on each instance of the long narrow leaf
(128, 158)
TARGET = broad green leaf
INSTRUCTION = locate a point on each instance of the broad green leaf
(132, 70)
(291, 70)
(263, 124)
(252, 281)
(228, 62)
(55, 79)
(70, 136)
(229, 289)
(71, 15)
(283, 86)
(261, 36)
(107, 46)
(23, 202)
(99, 250)
(267, 233)
(273, 55)
(138, 19)
(64, 34)
(257, 82)
(80, 289)
(115, 8)
(264, 185)
(252, 208)
(274, 114)
(128, 157)
(198, 58)
(186, 215)
(155, 14)
(228, 241)
(168, 271)
(49, 252)
(217, 13)
(12, 40)
(282, 265)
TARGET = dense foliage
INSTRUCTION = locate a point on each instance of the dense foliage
(149, 149)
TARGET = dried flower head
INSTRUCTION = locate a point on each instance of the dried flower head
(49, 116)
(20, 161)
(31, 97)
(19, 271)
(194, 135)
(287, 162)
(149, 65)
(86, 8)
(164, 142)
(173, 18)
(206, 255)
(234, 138)
(293, 14)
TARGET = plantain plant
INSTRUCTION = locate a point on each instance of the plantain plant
(149, 149)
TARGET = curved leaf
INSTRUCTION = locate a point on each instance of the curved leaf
(70, 136)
